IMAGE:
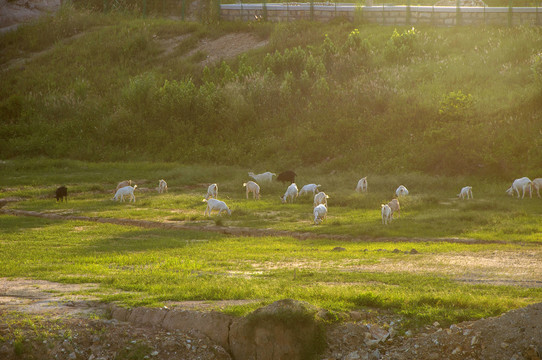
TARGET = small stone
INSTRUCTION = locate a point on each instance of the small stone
(436, 324)
(355, 315)
(396, 251)
(467, 332)
(72, 356)
(375, 355)
(474, 341)
(154, 353)
(454, 327)
(456, 350)
(408, 333)
(371, 343)
(504, 345)
(338, 248)
(414, 251)
(352, 356)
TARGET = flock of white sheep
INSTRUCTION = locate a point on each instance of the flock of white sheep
(125, 189)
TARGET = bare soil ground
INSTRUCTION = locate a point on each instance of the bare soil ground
(46, 320)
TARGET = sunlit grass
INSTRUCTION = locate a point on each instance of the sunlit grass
(149, 267)
(432, 209)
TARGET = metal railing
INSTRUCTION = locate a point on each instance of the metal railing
(210, 10)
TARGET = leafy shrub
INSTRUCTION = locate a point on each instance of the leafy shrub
(139, 94)
(402, 46)
(356, 43)
(455, 105)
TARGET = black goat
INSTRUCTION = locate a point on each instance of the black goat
(61, 193)
(288, 175)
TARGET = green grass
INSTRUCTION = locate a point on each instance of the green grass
(148, 267)
(138, 266)
(431, 211)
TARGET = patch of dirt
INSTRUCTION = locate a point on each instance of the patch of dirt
(12, 13)
(227, 46)
(46, 320)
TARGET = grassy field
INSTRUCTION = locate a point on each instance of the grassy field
(446, 282)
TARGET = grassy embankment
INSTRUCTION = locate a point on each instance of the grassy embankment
(438, 100)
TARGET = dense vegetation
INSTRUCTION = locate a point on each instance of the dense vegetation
(100, 86)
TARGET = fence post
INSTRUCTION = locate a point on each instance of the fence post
(408, 15)
(264, 10)
(312, 11)
(509, 13)
(217, 10)
(144, 8)
(457, 13)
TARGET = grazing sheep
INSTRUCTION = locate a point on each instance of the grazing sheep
(362, 185)
(401, 190)
(162, 186)
(214, 204)
(320, 213)
(262, 178)
(287, 176)
(291, 193)
(522, 183)
(123, 184)
(395, 207)
(537, 183)
(466, 192)
(125, 191)
(386, 214)
(253, 188)
(212, 192)
(61, 194)
(320, 198)
(313, 188)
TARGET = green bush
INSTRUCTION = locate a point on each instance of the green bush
(455, 105)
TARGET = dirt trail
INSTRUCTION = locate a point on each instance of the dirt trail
(239, 231)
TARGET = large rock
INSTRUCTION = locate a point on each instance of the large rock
(286, 329)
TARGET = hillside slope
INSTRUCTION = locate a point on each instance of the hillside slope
(97, 86)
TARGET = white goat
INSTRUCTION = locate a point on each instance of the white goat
(320, 213)
(466, 192)
(162, 186)
(313, 188)
(386, 214)
(320, 198)
(123, 184)
(212, 192)
(362, 185)
(214, 204)
(395, 207)
(537, 184)
(125, 191)
(253, 188)
(522, 183)
(291, 193)
(401, 190)
(261, 178)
